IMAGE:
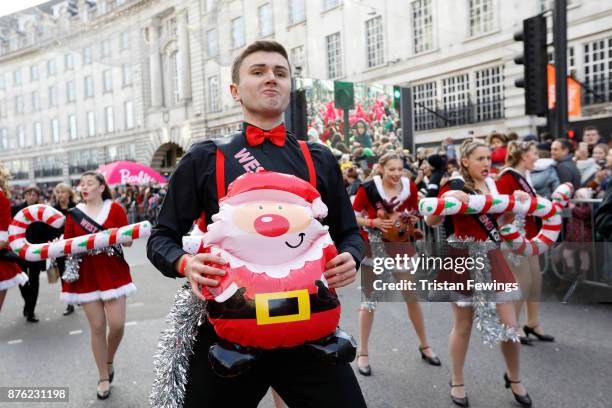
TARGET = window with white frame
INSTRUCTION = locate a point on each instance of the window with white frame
(422, 26)
(87, 56)
(70, 91)
(52, 96)
(598, 70)
(209, 5)
(102, 9)
(34, 73)
(296, 57)
(89, 86)
(2, 82)
(109, 119)
(105, 48)
(481, 16)
(455, 98)
(51, 68)
(129, 114)
(4, 139)
(329, 4)
(21, 136)
(334, 55)
(374, 42)
(35, 101)
(19, 104)
(266, 22)
(176, 69)
(126, 70)
(107, 79)
(69, 62)
(17, 77)
(38, 136)
(489, 93)
(297, 12)
(72, 127)
(55, 130)
(237, 32)
(425, 105)
(124, 40)
(212, 42)
(213, 94)
(91, 124)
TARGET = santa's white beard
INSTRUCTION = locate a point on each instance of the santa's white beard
(258, 249)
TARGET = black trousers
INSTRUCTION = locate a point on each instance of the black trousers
(297, 377)
(29, 291)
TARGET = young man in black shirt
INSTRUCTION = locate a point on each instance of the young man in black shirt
(262, 84)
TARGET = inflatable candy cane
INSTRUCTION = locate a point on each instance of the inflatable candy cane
(500, 203)
(72, 246)
(562, 194)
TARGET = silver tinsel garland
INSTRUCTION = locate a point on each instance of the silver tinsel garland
(519, 222)
(492, 330)
(73, 262)
(175, 347)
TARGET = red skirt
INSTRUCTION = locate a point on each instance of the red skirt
(101, 277)
(11, 275)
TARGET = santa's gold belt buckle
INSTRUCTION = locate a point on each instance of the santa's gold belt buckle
(262, 307)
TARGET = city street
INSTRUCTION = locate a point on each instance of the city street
(572, 372)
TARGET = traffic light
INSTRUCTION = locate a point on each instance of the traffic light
(344, 95)
(534, 59)
(397, 97)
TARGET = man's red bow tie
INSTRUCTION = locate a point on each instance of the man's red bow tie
(255, 136)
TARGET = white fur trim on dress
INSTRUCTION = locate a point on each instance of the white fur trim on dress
(3, 236)
(19, 279)
(102, 215)
(125, 290)
(403, 195)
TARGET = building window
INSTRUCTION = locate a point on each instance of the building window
(70, 91)
(55, 131)
(89, 86)
(91, 124)
(109, 119)
(34, 74)
(296, 56)
(213, 94)
(489, 93)
(21, 136)
(237, 33)
(124, 40)
(598, 71)
(87, 56)
(105, 49)
(38, 136)
(4, 139)
(334, 55)
(107, 79)
(374, 41)
(481, 16)
(69, 61)
(266, 22)
(51, 68)
(35, 101)
(2, 82)
(17, 77)
(213, 45)
(455, 99)
(19, 104)
(329, 4)
(422, 26)
(129, 114)
(297, 13)
(209, 5)
(72, 127)
(176, 69)
(424, 106)
(127, 74)
(52, 96)
(102, 7)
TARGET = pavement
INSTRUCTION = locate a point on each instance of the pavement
(574, 371)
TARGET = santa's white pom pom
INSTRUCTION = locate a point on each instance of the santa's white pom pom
(319, 209)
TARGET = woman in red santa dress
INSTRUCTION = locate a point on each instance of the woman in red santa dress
(104, 277)
(475, 165)
(10, 273)
(386, 196)
(515, 176)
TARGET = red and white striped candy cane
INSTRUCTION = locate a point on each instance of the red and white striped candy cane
(500, 203)
(562, 194)
(72, 246)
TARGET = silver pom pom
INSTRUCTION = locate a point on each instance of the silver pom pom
(171, 362)
(71, 272)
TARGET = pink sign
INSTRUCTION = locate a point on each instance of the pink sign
(126, 172)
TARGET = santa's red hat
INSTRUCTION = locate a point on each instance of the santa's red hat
(273, 186)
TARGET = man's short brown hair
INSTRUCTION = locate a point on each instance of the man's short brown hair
(261, 45)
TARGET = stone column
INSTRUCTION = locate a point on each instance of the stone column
(157, 95)
(184, 60)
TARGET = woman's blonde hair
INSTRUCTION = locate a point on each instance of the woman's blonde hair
(5, 176)
(516, 150)
(465, 151)
(64, 187)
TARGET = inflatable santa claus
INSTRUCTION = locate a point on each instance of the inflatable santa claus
(274, 293)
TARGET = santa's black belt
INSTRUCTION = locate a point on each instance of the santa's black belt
(274, 307)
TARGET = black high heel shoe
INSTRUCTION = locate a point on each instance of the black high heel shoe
(524, 400)
(434, 361)
(526, 341)
(111, 374)
(542, 337)
(103, 395)
(462, 402)
(366, 370)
